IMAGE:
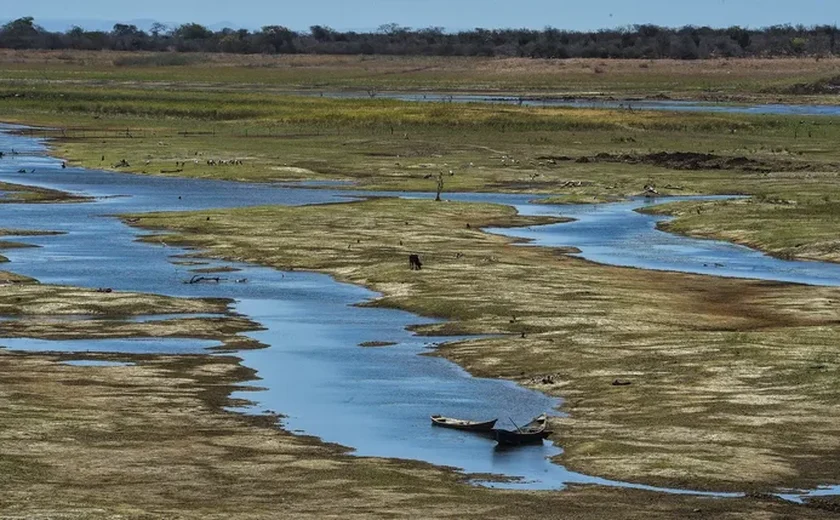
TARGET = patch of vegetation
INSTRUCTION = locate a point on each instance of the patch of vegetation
(158, 60)
(710, 80)
(32, 194)
(820, 87)
(789, 229)
(23, 296)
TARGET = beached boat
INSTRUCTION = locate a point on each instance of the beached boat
(532, 433)
(461, 424)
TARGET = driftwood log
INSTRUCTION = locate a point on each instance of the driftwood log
(203, 279)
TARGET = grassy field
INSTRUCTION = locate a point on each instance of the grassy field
(783, 227)
(733, 381)
(700, 79)
(577, 155)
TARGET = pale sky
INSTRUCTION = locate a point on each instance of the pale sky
(451, 14)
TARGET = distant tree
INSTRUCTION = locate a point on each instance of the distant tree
(663, 45)
(798, 45)
(277, 39)
(638, 41)
(128, 37)
(687, 48)
(157, 29)
(20, 34)
(321, 33)
(193, 31)
(391, 28)
(831, 31)
(741, 36)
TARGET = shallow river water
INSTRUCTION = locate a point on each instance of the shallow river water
(779, 109)
(375, 400)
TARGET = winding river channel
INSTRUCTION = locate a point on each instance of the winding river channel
(376, 401)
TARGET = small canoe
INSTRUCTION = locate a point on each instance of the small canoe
(532, 433)
(460, 424)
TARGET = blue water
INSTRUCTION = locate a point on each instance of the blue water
(617, 234)
(376, 401)
(95, 363)
(619, 104)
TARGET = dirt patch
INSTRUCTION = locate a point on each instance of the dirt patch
(704, 161)
(823, 86)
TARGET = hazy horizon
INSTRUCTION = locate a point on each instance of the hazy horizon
(451, 15)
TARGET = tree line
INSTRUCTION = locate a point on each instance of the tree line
(634, 42)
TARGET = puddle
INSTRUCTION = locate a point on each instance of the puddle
(117, 346)
(94, 363)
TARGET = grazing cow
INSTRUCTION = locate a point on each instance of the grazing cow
(414, 262)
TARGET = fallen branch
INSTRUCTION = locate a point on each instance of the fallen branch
(203, 279)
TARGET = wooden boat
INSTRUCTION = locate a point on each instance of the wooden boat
(460, 424)
(532, 433)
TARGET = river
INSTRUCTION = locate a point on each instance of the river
(376, 401)
(779, 109)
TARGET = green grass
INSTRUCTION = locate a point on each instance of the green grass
(803, 227)
(741, 79)
(390, 145)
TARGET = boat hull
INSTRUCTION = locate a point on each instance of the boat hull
(512, 438)
(467, 426)
(532, 433)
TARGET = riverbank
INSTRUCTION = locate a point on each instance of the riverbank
(697, 413)
(780, 227)
(161, 448)
(14, 193)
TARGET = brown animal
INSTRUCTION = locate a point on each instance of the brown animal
(414, 262)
